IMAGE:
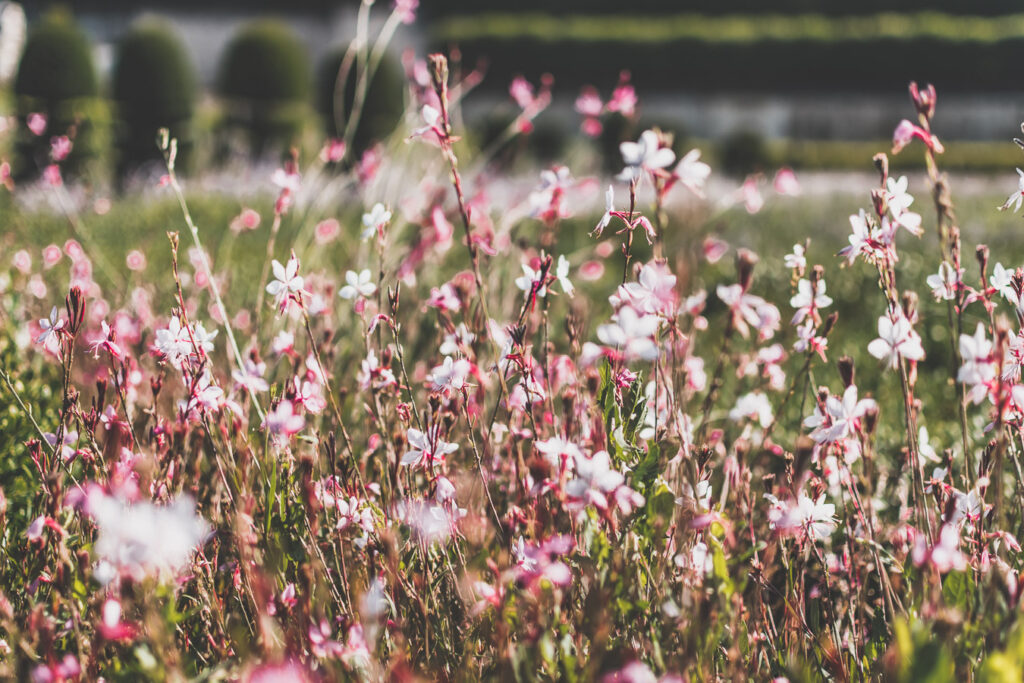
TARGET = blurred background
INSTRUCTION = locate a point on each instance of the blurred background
(807, 84)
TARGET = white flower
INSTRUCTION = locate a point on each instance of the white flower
(632, 333)
(816, 517)
(646, 154)
(453, 343)
(808, 299)
(286, 282)
(1016, 198)
(753, 404)
(926, 448)
(860, 240)
(450, 376)
(427, 446)
(977, 370)
(797, 260)
(562, 273)
(896, 339)
(841, 417)
(896, 194)
(944, 283)
(692, 172)
(431, 117)
(251, 376)
(528, 279)
(358, 285)
(375, 220)
(287, 181)
(50, 326)
(609, 207)
(141, 539)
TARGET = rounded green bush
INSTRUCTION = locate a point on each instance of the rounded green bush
(265, 78)
(743, 152)
(56, 77)
(383, 107)
(154, 85)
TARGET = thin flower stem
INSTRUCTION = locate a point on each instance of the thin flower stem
(214, 288)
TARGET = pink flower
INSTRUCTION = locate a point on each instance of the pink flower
(334, 150)
(444, 298)
(714, 249)
(750, 195)
(22, 261)
(52, 175)
(406, 10)
(135, 260)
(786, 183)
(537, 561)
(36, 123)
(906, 131)
(327, 231)
(249, 219)
(624, 98)
(944, 555)
(589, 102)
(51, 256)
(591, 270)
(60, 148)
(283, 421)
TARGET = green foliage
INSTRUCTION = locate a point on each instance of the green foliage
(743, 152)
(154, 85)
(716, 7)
(57, 77)
(384, 102)
(265, 81)
(919, 655)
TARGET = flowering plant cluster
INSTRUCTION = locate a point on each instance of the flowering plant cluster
(491, 444)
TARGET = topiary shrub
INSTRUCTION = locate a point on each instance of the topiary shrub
(743, 152)
(265, 81)
(383, 107)
(154, 86)
(56, 77)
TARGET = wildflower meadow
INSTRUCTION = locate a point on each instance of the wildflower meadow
(411, 414)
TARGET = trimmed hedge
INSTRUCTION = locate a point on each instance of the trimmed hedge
(382, 110)
(883, 65)
(449, 8)
(760, 53)
(154, 85)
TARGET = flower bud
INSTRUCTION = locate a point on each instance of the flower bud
(745, 262)
(982, 254)
(924, 99)
(846, 371)
(882, 165)
(910, 302)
